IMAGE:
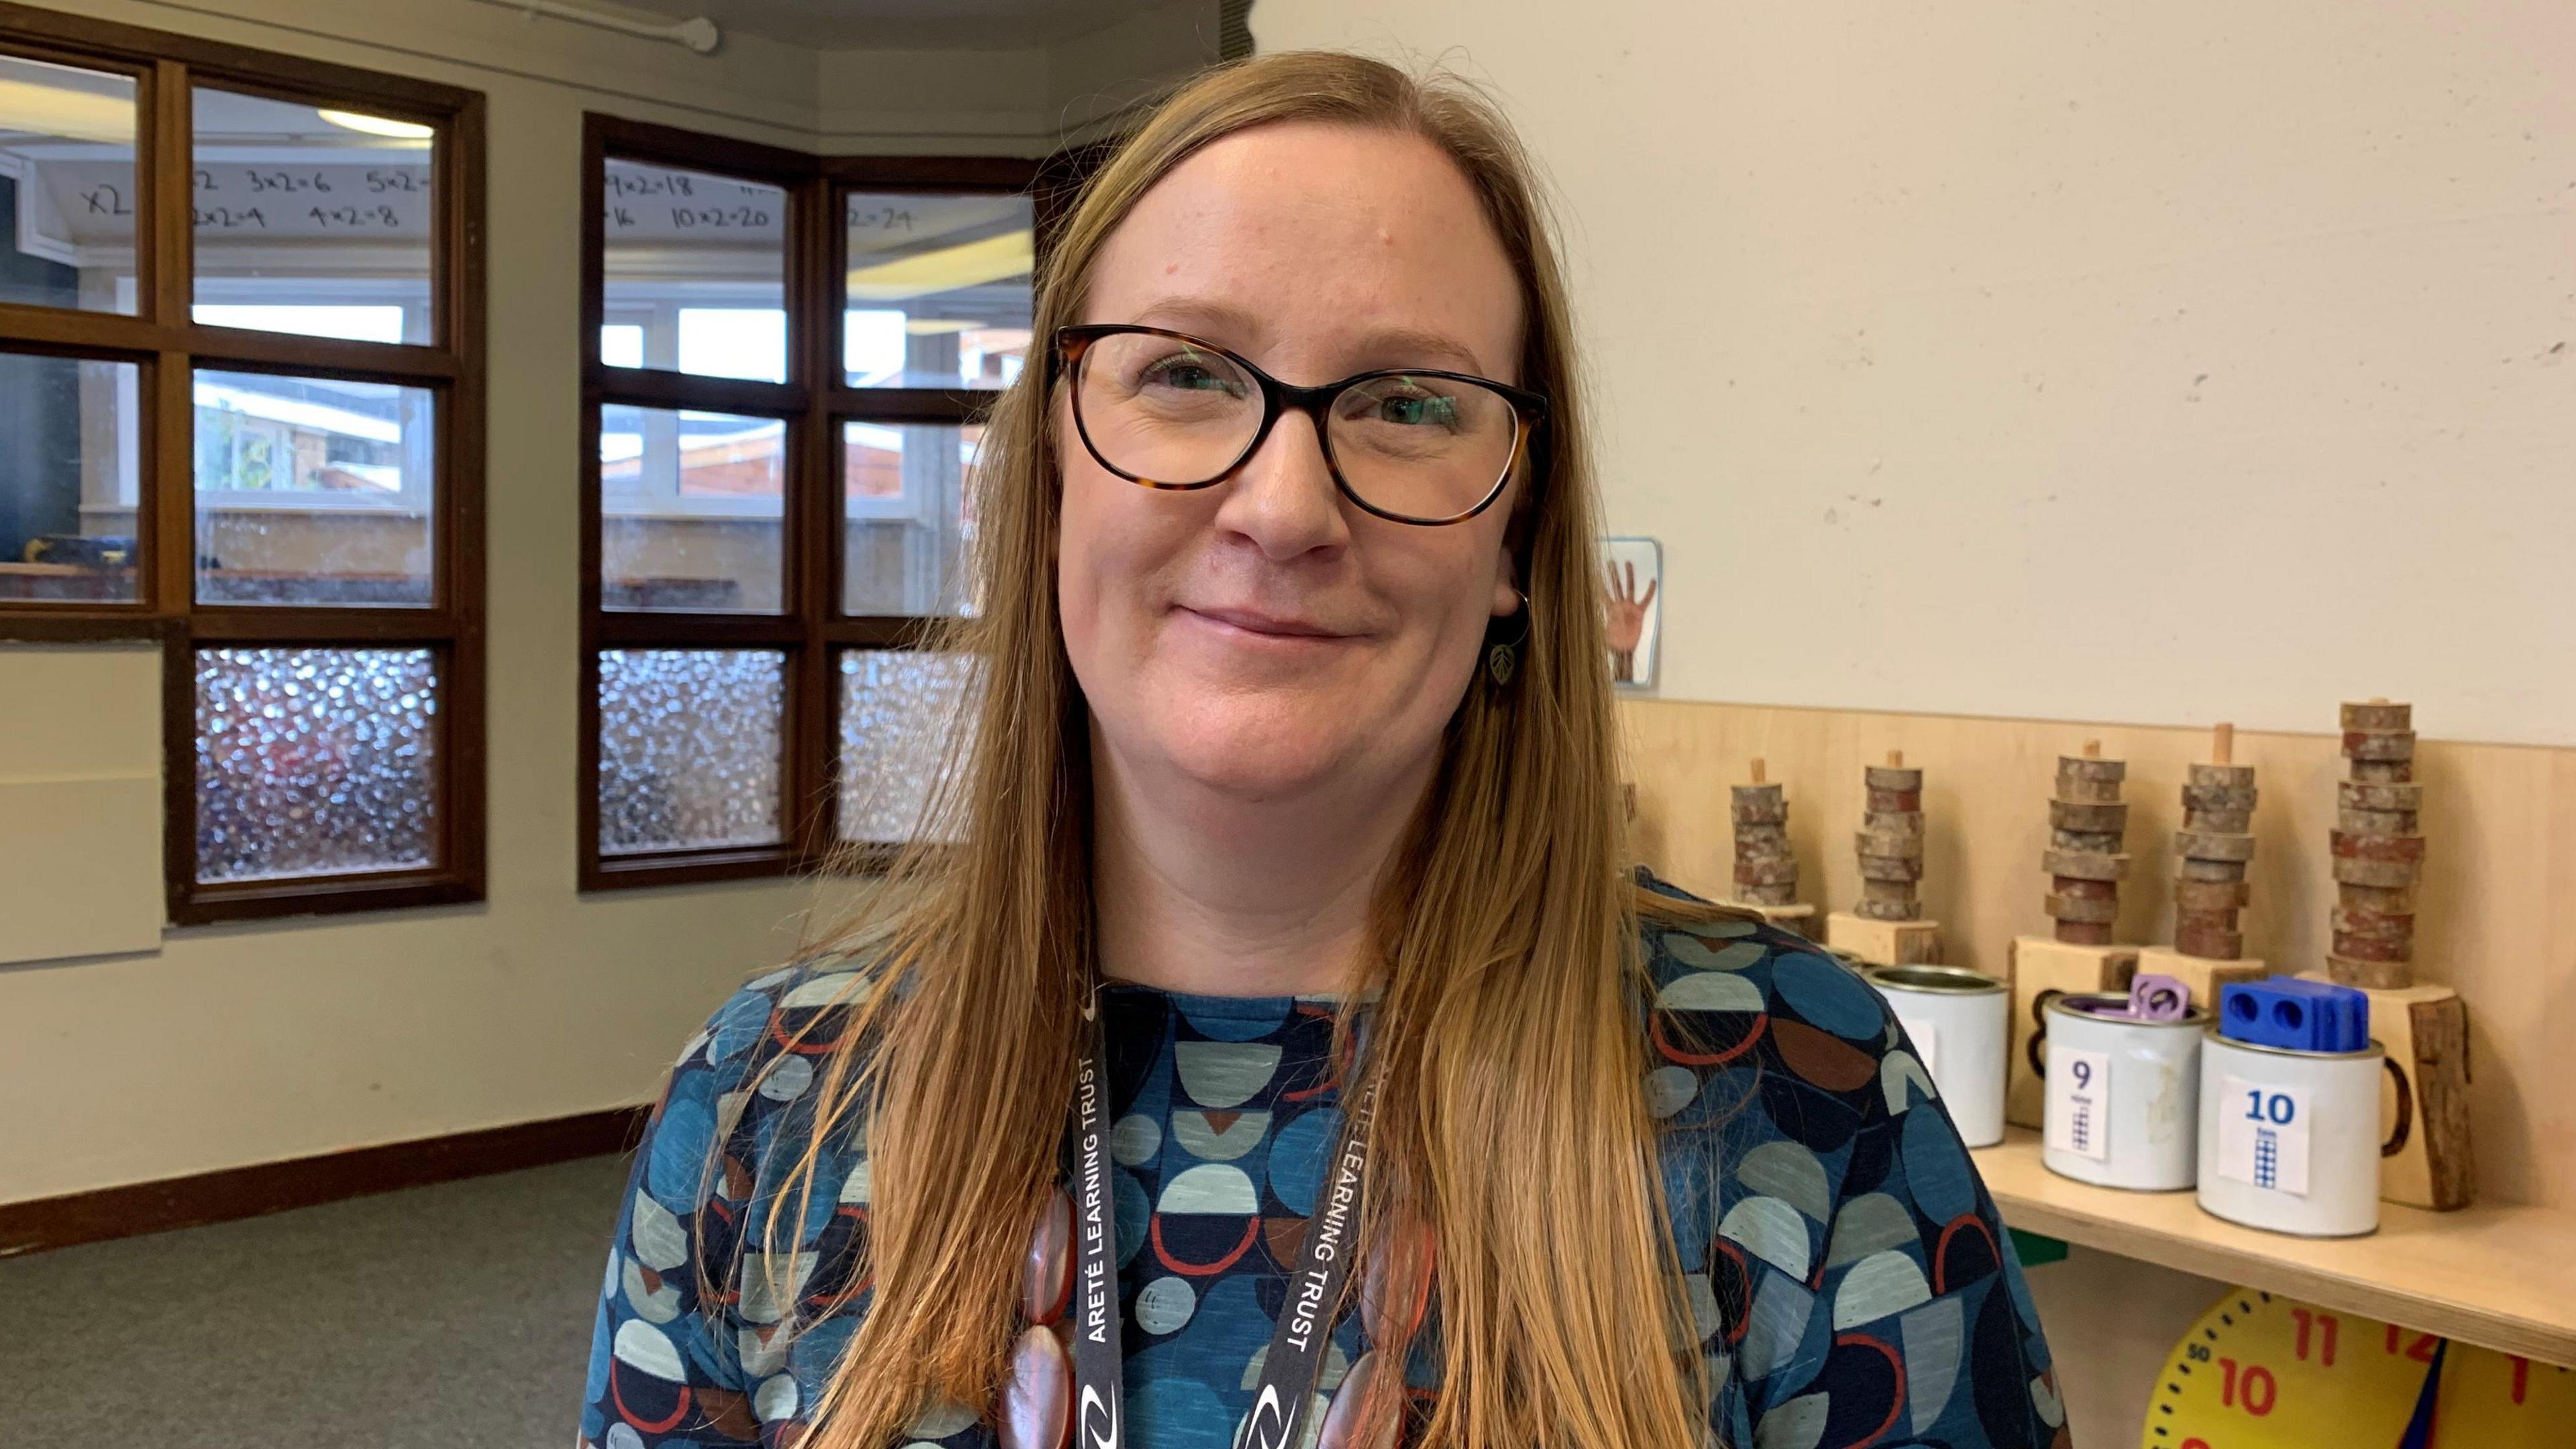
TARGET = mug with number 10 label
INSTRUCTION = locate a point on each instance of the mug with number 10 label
(2289, 1138)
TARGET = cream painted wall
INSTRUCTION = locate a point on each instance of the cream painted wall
(233, 1045)
(2078, 361)
(2155, 364)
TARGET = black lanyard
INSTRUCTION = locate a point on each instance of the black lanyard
(1296, 1358)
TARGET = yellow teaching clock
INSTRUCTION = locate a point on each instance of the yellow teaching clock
(2259, 1372)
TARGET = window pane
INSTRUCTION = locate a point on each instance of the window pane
(358, 324)
(907, 516)
(312, 220)
(734, 342)
(691, 509)
(698, 264)
(689, 748)
(67, 188)
(938, 290)
(896, 706)
(312, 490)
(69, 471)
(621, 344)
(315, 761)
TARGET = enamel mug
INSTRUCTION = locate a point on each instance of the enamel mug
(2123, 1103)
(2289, 1140)
(1961, 1024)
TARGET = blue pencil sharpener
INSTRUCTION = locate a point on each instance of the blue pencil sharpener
(2305, 1016)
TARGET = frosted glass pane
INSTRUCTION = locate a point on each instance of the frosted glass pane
(67, 182)
(314, 221)
(692, 508)
(896, 705)
(938, 290)
(315, 761)
(689, 748)
(70, 461)
(907, 492)
(312, 490)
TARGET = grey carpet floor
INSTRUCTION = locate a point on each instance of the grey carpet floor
(448, 1317)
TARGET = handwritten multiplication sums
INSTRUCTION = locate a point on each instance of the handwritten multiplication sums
(348, 218)
(882, 218)
(290, 182)
(650, 183)
(231, 218)
(407, 183)
(105, 200)
(720, 218)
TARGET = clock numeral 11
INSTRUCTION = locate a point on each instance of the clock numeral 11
(2309, 1323)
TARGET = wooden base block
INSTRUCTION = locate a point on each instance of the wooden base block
(2043, 969)
(2368, 975)
(1793, 917)
(2199, 973)
(1885, 943)
(2424, 1156)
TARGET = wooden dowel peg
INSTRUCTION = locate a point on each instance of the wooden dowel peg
(2222, 744)
(1758, 777)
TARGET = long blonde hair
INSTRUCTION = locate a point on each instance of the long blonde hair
(1511, 1124)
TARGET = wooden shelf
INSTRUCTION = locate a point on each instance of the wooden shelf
(2500, 1277)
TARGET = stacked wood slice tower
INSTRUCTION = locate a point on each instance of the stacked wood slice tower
(2086, 859)
(2378, 849)
(1890, 842)
(1766, 874)
(2211, 852)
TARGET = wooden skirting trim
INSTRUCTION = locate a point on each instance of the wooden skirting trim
(267, 1187)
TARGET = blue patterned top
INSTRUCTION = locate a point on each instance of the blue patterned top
(1852, 1283)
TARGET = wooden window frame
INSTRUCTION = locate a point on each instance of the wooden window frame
(167, 345)
(811, 630)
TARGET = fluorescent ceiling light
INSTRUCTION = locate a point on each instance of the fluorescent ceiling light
(380, 125)
(75, 115)
(967, 264)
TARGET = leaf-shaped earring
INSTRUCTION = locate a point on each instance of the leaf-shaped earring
(1503, 656)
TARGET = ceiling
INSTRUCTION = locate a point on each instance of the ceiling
(908, 24)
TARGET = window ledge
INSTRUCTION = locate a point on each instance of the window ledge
(392, 506)
(667, 511)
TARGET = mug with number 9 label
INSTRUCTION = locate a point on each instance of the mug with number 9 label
(2123, 1094)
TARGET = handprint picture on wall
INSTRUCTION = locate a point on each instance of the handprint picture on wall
(1632, 575)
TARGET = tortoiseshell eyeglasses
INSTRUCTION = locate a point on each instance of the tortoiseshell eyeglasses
(1168, 410)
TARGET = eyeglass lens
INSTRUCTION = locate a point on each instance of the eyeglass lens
(1164, 410)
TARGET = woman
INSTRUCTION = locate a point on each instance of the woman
(1290, 929)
